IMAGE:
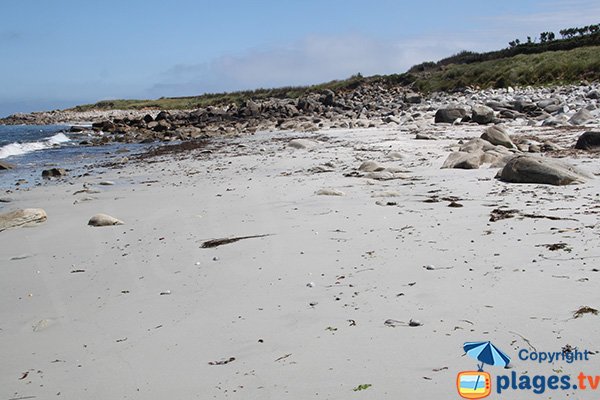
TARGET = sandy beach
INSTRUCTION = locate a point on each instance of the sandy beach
(319, 306)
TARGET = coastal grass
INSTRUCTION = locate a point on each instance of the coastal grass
(549, 68)
(542, 69)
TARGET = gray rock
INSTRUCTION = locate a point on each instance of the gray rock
(554, 108)
(328, 98)
(306, 144)
(547, 102)
(462, 160)
(450, 114)
(524, 106)
(370, 166)
(549, 146)
(392, 119)
(555, 121)
(581, 117)
(24, 217)
(413, 98)
(529, 169)
(476, 144)
(424, 136)
(104, 220)
(163, 115)
(482, 114)
(498, 135)
(4, 165)
(593, 94)
(496, 159)
(498, 105)
(383, 175)
(54, 172)
(329, 192)
(588, 141)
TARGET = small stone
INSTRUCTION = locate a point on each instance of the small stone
(104, 220)
(329, 192)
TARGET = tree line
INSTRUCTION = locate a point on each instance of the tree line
(567, 33)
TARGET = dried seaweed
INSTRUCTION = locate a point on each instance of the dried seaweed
(584, 310)
(220, 242)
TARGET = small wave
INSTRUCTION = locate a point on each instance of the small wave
(15, 149)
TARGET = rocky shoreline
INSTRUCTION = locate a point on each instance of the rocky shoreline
(367, 106)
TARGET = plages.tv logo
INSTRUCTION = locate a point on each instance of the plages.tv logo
(478, 384)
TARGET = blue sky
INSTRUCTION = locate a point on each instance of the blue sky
(61, 53)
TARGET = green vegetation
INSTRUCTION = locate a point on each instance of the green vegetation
(559, 67)
(364, 386)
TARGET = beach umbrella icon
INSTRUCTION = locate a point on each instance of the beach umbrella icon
(486, 353)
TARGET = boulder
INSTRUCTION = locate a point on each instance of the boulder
(105, 126)
(476, 144)
(581, 117)
(554, 108)
(463, 160)
(54, 172)
(104, 220)
(371, 166)
(524, 106)
(250, 108)
(588, 141)
(24, 217)
(450, 114)
(498, 135)
(593, 94)
(5, 165)
(163, 115)
(496, 159)
(482, 114)
(530, 169)
(413, 98)
(328, 98)
(547, 102)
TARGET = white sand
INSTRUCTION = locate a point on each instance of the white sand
(108, 333)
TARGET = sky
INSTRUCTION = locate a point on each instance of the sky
(60, 53)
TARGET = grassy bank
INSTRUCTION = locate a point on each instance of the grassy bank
(556, 67)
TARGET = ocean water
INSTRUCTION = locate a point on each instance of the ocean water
(33, 148)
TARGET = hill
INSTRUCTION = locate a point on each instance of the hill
(571, 59)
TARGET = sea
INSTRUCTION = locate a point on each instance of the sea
(33, 148)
